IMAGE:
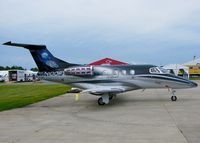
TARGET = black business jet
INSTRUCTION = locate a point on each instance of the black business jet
(105, 81)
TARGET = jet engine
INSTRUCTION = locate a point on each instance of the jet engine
(80, 71)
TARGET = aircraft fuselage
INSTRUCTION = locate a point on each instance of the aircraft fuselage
(130, 77)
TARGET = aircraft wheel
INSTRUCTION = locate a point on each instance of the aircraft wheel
(110, 97)
(100, 101)
(173, 98)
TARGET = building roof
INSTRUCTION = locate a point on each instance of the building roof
(193, 62)
(108, 61)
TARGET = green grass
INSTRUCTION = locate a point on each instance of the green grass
(18, 95)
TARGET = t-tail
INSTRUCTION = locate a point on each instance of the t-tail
(42, 57)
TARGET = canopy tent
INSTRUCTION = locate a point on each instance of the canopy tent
(195, 62)
(178, 70)
(194, 67)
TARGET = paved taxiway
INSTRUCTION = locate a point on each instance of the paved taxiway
(139, 117)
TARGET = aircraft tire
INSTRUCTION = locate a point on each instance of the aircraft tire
(173, 98)
(110, 97)
(100, 101)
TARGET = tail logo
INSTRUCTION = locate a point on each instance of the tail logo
(45, 56)
(52, 64)
(48, 60)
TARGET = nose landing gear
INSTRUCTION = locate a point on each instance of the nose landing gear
(173, 97)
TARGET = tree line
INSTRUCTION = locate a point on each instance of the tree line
(16, 68)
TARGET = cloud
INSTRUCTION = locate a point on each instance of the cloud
(130, 28)
(137, 15)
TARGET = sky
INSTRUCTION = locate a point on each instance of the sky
(155, 32)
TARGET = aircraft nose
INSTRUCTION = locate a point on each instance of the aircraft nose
(193, 84)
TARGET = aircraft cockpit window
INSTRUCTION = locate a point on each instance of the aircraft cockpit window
(154, 70)
(158, 70)
(163, 70)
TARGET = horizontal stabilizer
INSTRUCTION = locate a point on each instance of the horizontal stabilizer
(27, 46)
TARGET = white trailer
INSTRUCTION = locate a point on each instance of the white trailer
(16, 75)
(4, 75)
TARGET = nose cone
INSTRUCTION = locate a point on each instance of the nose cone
(193, 84)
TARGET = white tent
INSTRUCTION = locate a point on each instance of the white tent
(5, 74)
(193, 62)
(176, 68)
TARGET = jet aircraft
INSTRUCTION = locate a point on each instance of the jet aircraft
(105, 81)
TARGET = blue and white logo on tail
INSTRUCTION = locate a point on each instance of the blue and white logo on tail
(48, 59)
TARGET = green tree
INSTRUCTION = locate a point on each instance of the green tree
(11, 68)
(17, 67)
(2, 68)
(34, 69)
(7, 68)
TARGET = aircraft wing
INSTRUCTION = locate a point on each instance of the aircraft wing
(101, 90)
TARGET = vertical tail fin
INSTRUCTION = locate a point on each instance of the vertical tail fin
(42, 57)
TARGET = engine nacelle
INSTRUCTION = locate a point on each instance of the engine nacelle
(80, 71)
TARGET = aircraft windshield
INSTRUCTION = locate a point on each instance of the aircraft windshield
(163, 70)
(158, 70)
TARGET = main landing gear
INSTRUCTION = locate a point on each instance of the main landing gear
(105, 99)
(173, 97)
(100, 101)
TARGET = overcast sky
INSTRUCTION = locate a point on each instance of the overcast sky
(82, 31)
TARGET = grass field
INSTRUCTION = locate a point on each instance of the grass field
(19, 95)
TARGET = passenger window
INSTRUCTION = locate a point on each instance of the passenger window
(124, 72)
(132, 72)
(115, 72)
